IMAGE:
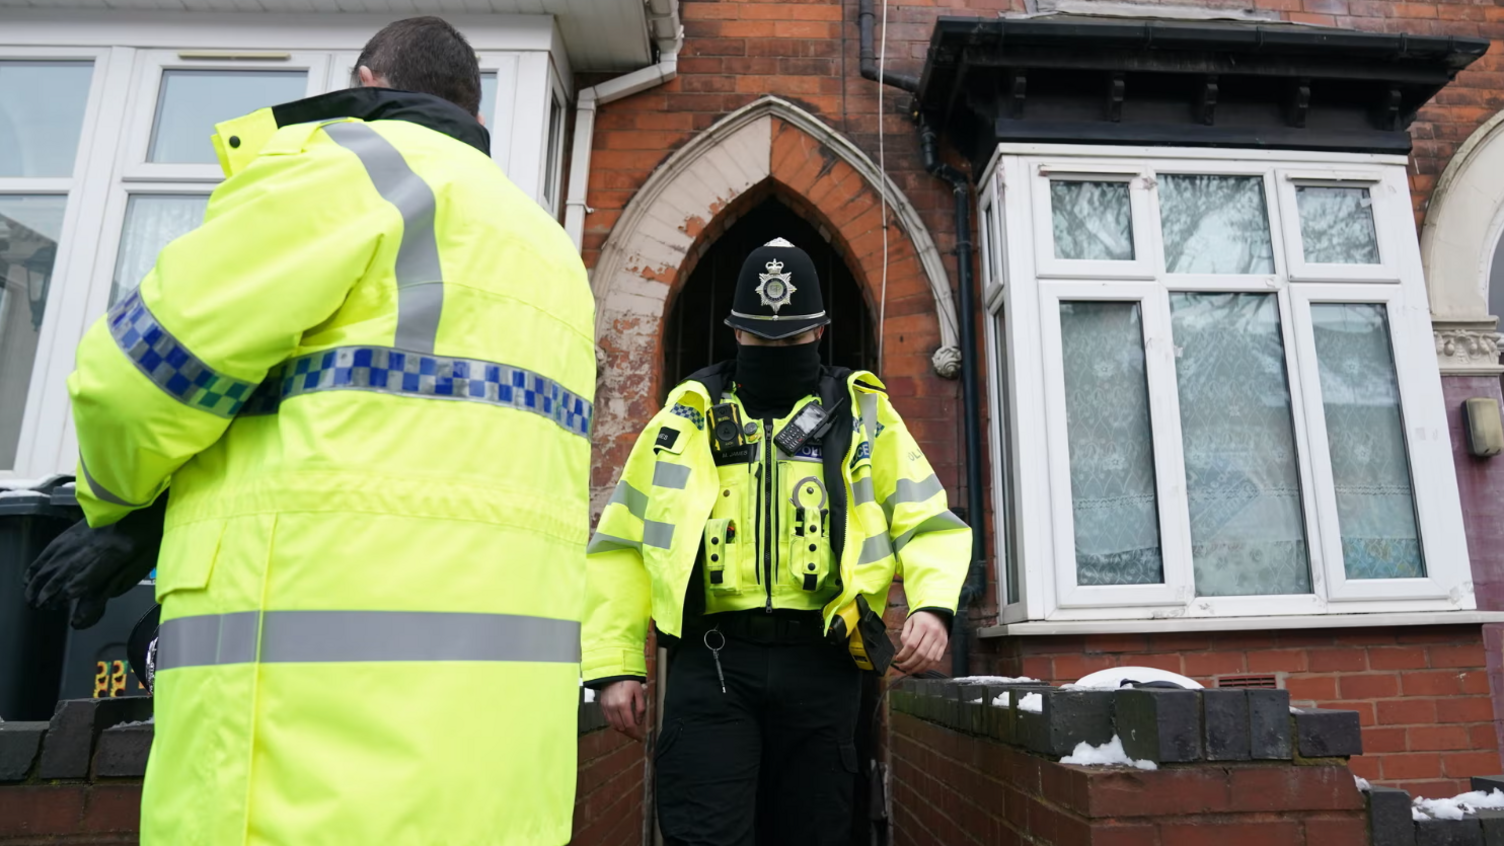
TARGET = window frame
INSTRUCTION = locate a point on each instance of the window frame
(44, 418)
(1164, 414)
(1024, 324)
(1379, 184)
(151, 69)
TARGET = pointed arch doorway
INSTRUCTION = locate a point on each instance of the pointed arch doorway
(696, 334)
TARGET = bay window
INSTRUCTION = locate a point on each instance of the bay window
(1214, 393)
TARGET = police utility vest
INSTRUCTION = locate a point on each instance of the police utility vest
(767, 543)
(824, 528)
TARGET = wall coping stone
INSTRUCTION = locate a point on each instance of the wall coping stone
(109, 739)
(1155, 724)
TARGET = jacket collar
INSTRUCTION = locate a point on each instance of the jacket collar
(240, 140)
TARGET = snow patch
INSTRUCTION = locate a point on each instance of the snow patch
(1032, 702)
(146, 722)
(1113, 678)
(1458, 806)
(1362, 783)
(1002, 700)
(995, 680)
(1108, 754)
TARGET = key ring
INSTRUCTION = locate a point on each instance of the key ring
(717, 632)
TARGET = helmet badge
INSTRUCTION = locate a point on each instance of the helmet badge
(776, 288)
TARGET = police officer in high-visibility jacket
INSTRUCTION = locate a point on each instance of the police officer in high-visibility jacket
(368, 378)
(759, 522)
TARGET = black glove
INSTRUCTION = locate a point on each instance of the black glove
(95, 565)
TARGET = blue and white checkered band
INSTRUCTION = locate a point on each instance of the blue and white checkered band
(689, 414)
(170, 365)
(391, 371)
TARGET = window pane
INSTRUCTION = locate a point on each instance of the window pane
(29, 231)
(488, 98)
(551, 155)
(1092, 220)
(1336, 225)
(41, 116)
(151, 222)
(1247, 530)
(1366, 435)
(1215, 224)
(1112, 451)
(193, 101)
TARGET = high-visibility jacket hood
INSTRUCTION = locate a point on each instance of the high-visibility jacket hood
(237, 142)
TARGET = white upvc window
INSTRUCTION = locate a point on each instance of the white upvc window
(105, 157)
(1212, 373)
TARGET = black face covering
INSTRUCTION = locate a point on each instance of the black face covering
(769, 380)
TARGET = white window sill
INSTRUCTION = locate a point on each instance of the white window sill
(1236, 624)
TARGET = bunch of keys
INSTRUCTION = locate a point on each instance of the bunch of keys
(715, 652)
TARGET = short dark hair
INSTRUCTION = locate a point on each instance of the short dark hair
(426, 55)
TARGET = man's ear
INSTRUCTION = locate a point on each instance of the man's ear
(368, 79)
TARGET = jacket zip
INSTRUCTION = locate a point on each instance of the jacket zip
(757, 539)
(769, 475)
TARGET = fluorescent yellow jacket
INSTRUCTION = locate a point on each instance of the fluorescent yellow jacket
(897, 522)
(368, 377)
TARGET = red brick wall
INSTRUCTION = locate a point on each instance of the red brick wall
(1422, 694)
(608, 809)
(608, 798)
(806, 51)
(951, 789)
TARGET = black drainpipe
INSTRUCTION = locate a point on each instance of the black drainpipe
(976, 576)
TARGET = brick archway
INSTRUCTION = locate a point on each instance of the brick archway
(770, 145)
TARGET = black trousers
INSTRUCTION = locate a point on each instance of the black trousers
(772, 761)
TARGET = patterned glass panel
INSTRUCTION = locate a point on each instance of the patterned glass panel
(152, 221)
(1336, 225)
(1366, 435)
(1092, 220)
(1111, 444)
(1215, 224)
(1247, 530)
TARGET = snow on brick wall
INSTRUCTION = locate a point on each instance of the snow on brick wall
(1422, 694)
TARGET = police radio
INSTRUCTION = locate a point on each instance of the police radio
(811, 422)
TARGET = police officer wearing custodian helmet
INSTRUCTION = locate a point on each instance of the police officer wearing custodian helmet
(759, 523)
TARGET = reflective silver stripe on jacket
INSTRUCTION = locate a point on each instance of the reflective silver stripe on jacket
(420, 280)
(945, 521)
(669, 475)
(295, 637)
(910, 491)
(103, 492)
(875, 549)
(861, 491)
(635, 500)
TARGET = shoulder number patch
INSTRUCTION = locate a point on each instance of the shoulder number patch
(667, 437)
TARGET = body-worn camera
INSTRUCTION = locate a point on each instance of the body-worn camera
(728, 441)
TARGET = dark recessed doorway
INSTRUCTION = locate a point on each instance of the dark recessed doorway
(696, 334)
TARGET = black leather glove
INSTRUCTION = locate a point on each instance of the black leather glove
(95, 565)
